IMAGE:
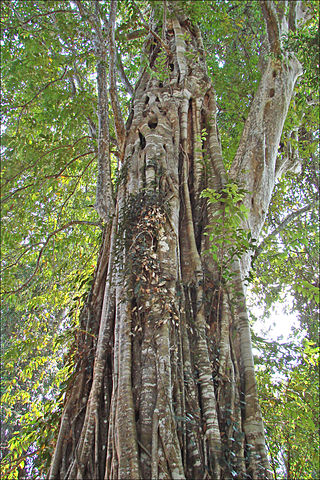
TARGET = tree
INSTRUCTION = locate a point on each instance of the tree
(163, 385)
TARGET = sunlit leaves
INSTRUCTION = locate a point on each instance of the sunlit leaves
(289, 399)
(48, 180)
(290, 260)
(232, 36)
(228, 239)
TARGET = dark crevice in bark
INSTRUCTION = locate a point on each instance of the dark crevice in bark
(142, 141)
(152, 123)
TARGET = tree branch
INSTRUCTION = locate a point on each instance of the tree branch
(118, 120)
(293, 16)
(75, 187)
(258, 148)
(55, 175)
(42, 156)
(271, 18)
(45, 244)
(123, 77)
(156, 36)
(104, 197)
(164, 21)
(23, 107)
(280, 228)
(135, 34)
(15, 262)
(21, 23)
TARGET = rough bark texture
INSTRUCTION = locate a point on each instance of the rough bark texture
(164, 386)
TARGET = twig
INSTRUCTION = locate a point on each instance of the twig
(280, 228)
(156, 36)
(44, 155)
(55, 175)
(17, 461)
(21, 23)
(52, 234)
(23, 107)
(75, 187)
(21, 255)
(5, 199)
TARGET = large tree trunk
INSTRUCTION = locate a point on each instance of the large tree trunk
(164, 385)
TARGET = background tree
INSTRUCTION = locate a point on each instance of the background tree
(288, 383)
(162, 382)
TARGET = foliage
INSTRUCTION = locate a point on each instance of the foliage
(289, 261)
(228, 239)
(233, 37)
(38, 362)
(305, 43)
(288, 383)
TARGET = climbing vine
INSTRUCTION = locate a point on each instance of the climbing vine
(229, 240)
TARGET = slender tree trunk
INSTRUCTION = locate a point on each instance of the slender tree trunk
(164, 386)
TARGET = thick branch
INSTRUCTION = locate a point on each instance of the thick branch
(104, 196)
(272, 23)
(86, 15)
(164, 21)
(123, 77)
(118, 120)
(299, 13)
(254, 165)
(293, 15)
(135, 34)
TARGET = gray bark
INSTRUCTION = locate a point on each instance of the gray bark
(167, 389)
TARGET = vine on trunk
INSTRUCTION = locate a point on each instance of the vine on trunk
(229, 240)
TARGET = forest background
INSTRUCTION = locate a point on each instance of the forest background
(51, 232)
